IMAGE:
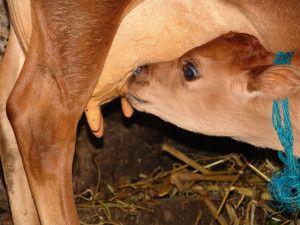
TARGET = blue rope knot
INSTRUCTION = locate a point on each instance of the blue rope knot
(284, 186)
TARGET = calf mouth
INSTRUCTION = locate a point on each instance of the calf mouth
(132, 98)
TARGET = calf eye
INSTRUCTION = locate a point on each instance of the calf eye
(190, 71)
(139, 70)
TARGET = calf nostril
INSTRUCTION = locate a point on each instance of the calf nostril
(139, 70)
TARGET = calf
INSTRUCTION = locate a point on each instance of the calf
(225, 88)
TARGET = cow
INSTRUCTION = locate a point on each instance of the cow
(225, 87)
(67, 57)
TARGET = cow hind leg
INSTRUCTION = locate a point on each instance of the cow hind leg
(21, 202)
(69, 44)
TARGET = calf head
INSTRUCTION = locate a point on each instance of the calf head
(217, 88)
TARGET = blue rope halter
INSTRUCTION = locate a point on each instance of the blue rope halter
(284, 186)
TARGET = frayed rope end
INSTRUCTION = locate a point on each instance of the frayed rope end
(285, 190)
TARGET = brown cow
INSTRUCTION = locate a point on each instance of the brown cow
(69, 44)
(224, 88)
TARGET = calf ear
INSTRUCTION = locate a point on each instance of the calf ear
(274, 82)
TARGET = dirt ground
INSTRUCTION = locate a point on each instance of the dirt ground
(131, 149)
(4, 23)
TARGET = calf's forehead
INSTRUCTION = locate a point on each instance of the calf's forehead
(226, 46)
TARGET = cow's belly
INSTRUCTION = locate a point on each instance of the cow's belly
(160, 30)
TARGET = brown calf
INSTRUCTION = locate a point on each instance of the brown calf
(69, 44)
(223, 88)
